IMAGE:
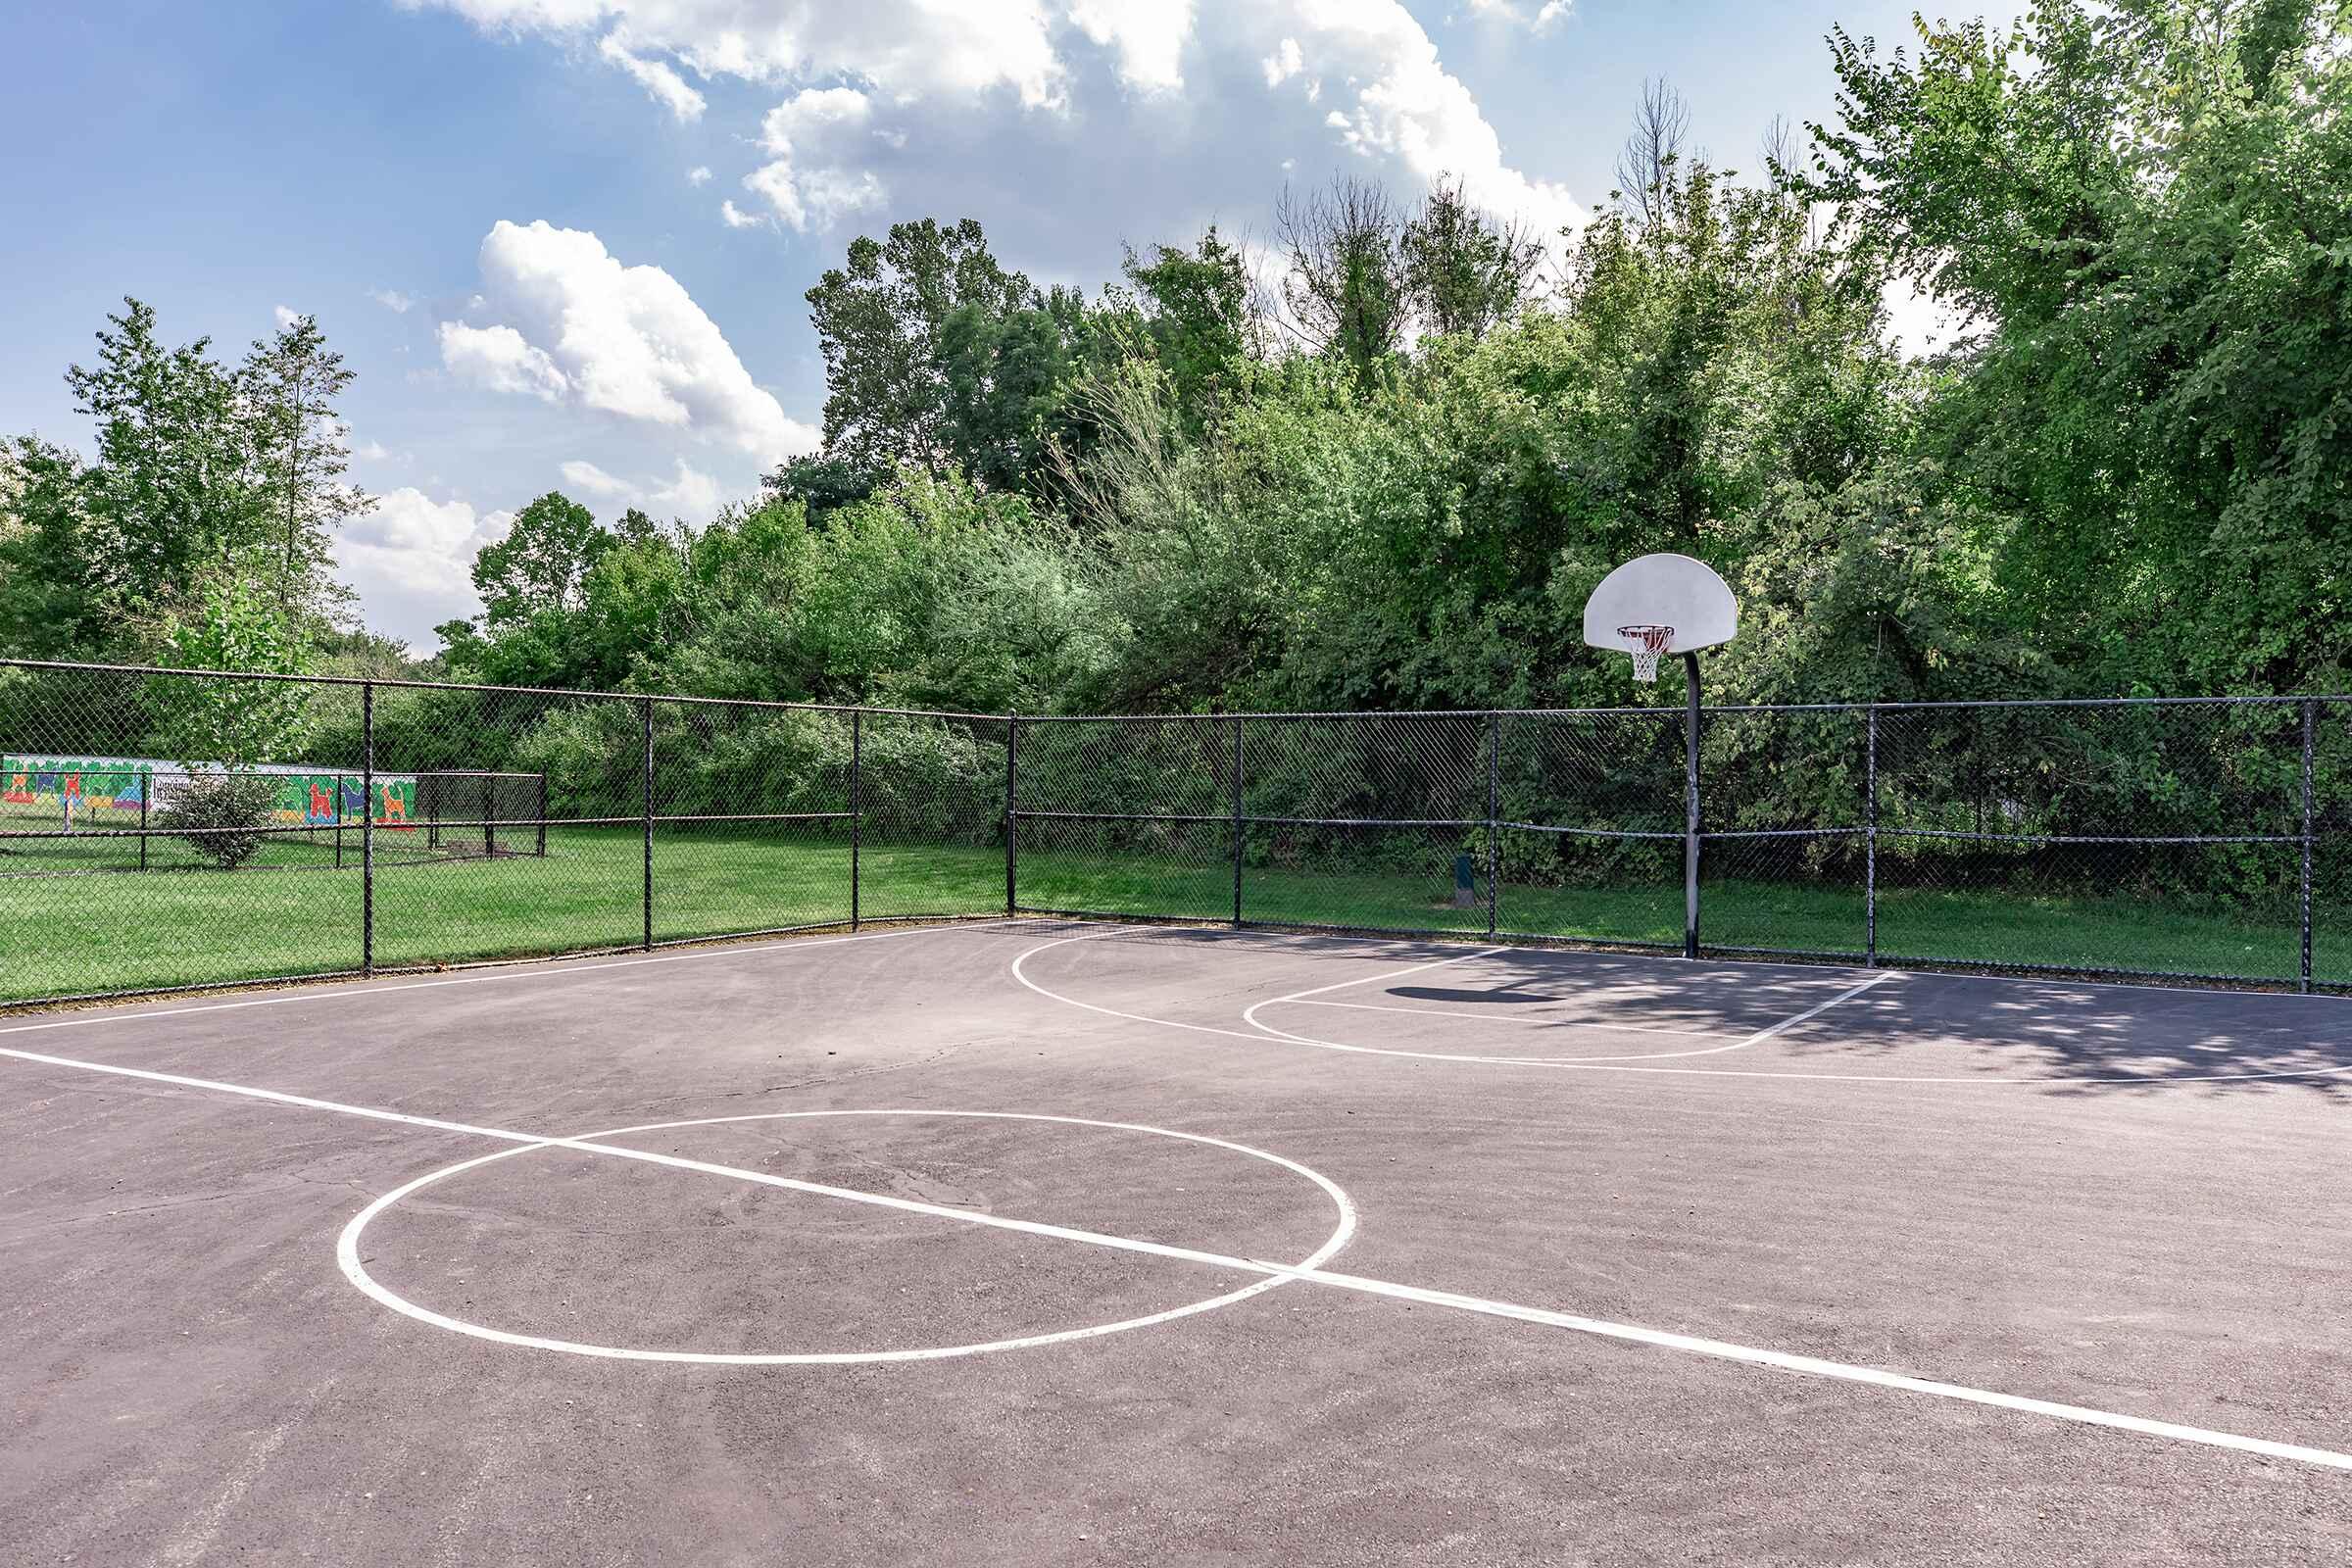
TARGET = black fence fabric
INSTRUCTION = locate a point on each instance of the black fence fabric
(152, 823)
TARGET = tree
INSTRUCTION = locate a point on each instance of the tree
(2145, 207)
(880, 321)
(1462, 273)
(1346, 289)
(539, 567)
(53, 576)
(1198, 315)
(1654, 150)
(822, 484)
(292, 383)
(236, 622)
(1005, 374)
(174, 490)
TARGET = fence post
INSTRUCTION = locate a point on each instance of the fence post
(1241, 825)
(146, 777)
(1690, 808)
(1494, 823)
(339, 777)
(646, 710)
(2309, 821)
(1869, 843)
(1012, 821)
(489, 818)
(541, 847)
(368, 827)
(857, 804)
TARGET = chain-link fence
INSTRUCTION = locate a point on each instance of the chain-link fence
(2206, 839)
(144, 815)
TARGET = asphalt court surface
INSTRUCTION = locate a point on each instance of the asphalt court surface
(1036, 1242)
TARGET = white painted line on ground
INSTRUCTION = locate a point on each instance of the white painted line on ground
(346, 1252)
(522, 969)
(1532, 1023)
(1249, 1016)
(1719, 1350)
(1640, 1064)
(591, 1146)
(1843, 1372)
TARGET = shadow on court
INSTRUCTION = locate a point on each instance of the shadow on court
(861, 1252)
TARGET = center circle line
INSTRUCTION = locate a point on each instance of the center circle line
(354, 1268)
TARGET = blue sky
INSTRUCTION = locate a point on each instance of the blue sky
(493, 209)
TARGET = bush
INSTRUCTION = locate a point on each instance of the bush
(223, 814)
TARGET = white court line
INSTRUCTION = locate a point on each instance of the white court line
(590, 1146)
(521, 970)
(1719, 1350)
(1263, 1032)
(347, 1253)
(1249, 1016)
(1532, 1023)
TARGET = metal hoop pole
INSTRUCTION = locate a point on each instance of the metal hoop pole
(2309, 819)
(1239, 827)
(1869, 843)
(1690, 808)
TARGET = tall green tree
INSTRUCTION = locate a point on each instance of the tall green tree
(237, 621)
(292, 383)
(541, 564)
(55, 599)
(2146, 207)
(176, 488)
(1465, 273)
(1199, 314)
(1346, 289)
(880, 320)
(1005, 374)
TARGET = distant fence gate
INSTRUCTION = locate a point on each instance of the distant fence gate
(2170, 838)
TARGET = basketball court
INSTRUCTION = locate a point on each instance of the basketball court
(1035, 1241)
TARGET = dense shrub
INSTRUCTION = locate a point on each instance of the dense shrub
(221, 814)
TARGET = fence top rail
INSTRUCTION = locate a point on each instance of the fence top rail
(1359, 713)
(1659, 712)
(394, 684)
(1676, 713)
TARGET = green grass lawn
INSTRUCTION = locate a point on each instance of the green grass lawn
(107, 931)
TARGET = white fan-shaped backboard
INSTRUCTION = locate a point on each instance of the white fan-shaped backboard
(1662, 590)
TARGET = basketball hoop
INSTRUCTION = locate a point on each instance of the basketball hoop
(1648, 643)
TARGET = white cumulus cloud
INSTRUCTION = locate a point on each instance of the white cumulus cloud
(1000, 99)
(286, 316)
(1147, 36)
(689, 493)
(412, 560)
(666, 88)
(392, 299)
(1514, 13)
(575, 326)
(914, 48)
(500, 359)
(699, 175)
(582, 474)
(807, 137)
(1284, 62)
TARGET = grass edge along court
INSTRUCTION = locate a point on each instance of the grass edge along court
(198, 927)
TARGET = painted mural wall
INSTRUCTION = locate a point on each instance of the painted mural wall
(88, 788)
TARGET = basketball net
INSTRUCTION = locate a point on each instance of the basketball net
(1648, 643)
